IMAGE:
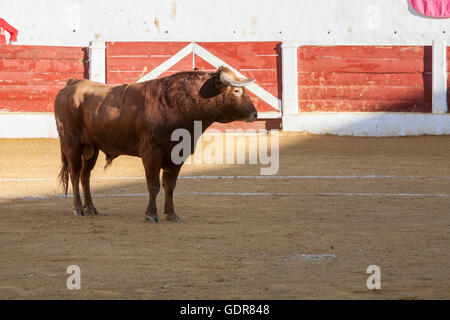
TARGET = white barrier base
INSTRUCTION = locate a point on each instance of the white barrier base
(374, 124)
(27, 125)
(379, 124)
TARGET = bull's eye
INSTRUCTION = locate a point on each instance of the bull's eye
(237, 91)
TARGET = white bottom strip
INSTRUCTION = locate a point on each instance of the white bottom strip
(194, 193)
(383, 194)
(242, 194)
(244, 177)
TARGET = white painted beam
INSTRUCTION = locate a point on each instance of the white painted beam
(374, 124)
(289, 77)
(439, 77)
(97, 61)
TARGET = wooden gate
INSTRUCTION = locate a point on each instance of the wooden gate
(140, 61)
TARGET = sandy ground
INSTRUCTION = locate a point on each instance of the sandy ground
(292, 238)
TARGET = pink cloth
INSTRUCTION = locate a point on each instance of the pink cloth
(432, 8)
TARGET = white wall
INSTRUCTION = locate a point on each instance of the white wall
(324, 22)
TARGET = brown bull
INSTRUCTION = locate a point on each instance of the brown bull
(138, 119)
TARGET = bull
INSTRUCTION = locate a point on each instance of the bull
(138, 119)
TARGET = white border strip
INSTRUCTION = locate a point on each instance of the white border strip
(193, 193)
(241, 177)
(445, 195)
(241, 194)
(375, 124)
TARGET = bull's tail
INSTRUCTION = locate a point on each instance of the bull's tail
(63, 176)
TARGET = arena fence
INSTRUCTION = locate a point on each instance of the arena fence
(344, 90)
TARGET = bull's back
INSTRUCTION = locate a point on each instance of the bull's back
(98, 113)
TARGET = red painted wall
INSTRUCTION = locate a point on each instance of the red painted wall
(331, 78)
(31, 76)
(364, 78)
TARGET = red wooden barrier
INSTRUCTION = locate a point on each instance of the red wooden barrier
(364, 78)
(30, 76)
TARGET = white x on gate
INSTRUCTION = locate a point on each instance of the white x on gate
(216, 62)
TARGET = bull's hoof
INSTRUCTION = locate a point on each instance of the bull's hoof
(78, 212)
(90, 211)
(152, 219)
(173, 218)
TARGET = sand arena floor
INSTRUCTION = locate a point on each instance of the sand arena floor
(336, 206)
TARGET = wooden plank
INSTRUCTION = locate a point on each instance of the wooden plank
(250, 47)
(363, 52)
(364, 93)
(127, 76)
(261, 75)
(246, 55)
(143, 48)
(28, 93)
(368, 65)
(43, 52)
(26, 106)
(364, 79)
(124, 76)
(25, 78)
(139, 64)
(271, 76)
(41, 65)
(364, 105)
(134, 64)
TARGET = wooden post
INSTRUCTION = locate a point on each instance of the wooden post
(289, 78)
(439, 78)
(97, 61)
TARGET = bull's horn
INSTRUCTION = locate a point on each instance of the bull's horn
(226, 80)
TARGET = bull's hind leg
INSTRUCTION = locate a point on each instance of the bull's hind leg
(170, 175)
(90, 154)
(151, 158)
(73, 156)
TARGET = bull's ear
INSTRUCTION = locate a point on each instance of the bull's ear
(226, 80)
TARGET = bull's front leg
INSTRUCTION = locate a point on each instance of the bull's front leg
(151, 159)
(170, 176)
